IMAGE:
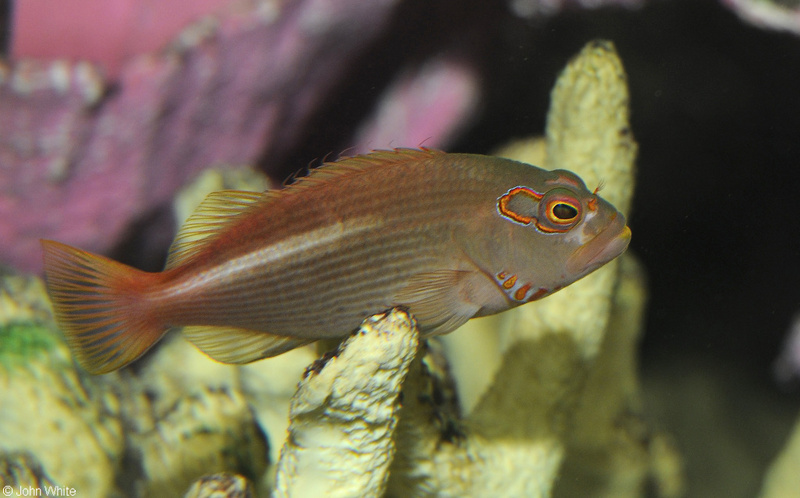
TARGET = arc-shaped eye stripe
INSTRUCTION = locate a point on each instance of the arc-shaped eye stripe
(560, 212)
(504, 210)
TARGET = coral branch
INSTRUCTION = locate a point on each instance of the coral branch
(344, 414)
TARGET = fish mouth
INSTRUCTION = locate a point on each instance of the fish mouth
(604, 247)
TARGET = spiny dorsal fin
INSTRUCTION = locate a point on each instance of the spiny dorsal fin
(239, 346)
(362, 162)
(217, 210)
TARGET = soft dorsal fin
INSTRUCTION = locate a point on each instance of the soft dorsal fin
(239, 346)
(216, 210)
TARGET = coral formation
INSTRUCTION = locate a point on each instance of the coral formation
(553, 359)
(146, 432)
(22, 470)
(541, 415)
(344, 413)
(187, 422)
(22, 300)
(220, 486)
(783, 479)
(48, 409)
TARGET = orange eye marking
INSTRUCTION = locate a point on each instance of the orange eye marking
(592, 203)
(520, 294)
(545, 229)
(551, 214)
(510, 282)
(502, 204)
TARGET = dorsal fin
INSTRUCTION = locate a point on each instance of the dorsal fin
(219, 208)
(362, 162)
(216, 210)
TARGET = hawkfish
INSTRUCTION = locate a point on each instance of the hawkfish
(252, 275)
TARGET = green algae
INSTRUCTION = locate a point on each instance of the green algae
(23, 341)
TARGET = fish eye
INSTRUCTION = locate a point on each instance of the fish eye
(564, 211)
(559, 211)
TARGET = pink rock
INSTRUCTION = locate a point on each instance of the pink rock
(536, 8)
(767, 14)
(107, 32)
(787, 366)
(82, 160)
(426, 106)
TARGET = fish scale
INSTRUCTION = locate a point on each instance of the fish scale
(253, 275)
(296, 304)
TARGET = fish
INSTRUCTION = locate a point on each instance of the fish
(251, 275)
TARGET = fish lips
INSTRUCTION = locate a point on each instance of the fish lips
(605, 246)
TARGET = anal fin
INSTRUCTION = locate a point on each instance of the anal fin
(239, 346)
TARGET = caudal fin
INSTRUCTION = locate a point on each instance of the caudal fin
(99, 305)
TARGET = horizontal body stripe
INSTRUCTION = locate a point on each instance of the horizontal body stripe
(323, 261)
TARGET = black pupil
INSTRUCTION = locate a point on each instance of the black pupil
(564, 211)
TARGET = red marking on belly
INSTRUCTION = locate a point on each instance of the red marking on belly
(520, 294)
(510, 282)
(502, 275)
(538, 294)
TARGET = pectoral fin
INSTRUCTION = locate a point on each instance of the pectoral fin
(239, 346)
(440, 300)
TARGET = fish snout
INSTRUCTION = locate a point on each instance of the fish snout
(609, 243)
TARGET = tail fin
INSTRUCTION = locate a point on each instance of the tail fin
(99, 305)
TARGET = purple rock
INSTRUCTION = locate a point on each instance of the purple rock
(782, 16)
(536, 8)
(426, 106)
(787, 366)
(82, 160)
